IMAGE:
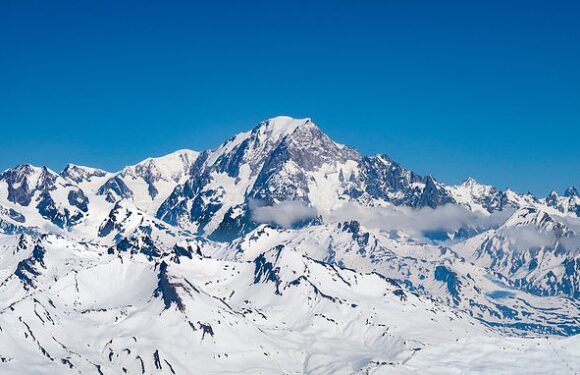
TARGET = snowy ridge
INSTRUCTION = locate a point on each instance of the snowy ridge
(282, 251)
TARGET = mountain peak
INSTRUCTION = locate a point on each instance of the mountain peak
(571, 192)
(469, 181)
(171, 166)
(83, 167)
(79, 173)
(526, 216)
(265, 135)
(278, 127)
(28, 171)
(171, 157)
(475, 188)
(284, 120)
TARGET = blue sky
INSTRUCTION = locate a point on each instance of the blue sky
(486, 89)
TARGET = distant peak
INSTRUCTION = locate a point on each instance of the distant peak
(71, 167)
(79, 173)
(29, 169)
(527, 215)
(171, 157)
(170, 166)
(185, 151)
(384, 158)
(470, 181)
(571, 192)
(25, 167)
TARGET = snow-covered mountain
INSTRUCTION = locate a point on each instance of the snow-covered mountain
(534, 250)
(282, 251)
(569, 202)
(149, 182)
(39, 197)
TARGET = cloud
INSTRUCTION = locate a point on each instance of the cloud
(523, 238)
(571, 243)
(284, 213)
(419, 222)
(527, 237)
(448, 218)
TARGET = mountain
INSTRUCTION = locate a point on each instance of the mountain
(283, 159)
(39, 196)
(282, 311)
(149, 182)
(287, 159)
(534, 250)
(278, 160)
(282, 251)
(430, 270)
(567, 203)
(479, 197)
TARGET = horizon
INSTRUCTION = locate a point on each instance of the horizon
(449, 89)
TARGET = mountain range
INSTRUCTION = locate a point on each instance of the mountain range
(282, 251)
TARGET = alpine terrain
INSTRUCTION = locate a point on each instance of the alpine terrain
(283, 252)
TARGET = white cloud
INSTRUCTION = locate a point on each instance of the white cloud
(448, 218)
(284, 213)
(523, 238)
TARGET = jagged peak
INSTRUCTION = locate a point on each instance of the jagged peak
(33, 174)
(255, 145)
(274, 129)
(429, 178)
(70, 166)
(431, 181)
(511, 194)
(29, 169)
(571, 191)
(475, 188)
(470, 182)
(384, 158)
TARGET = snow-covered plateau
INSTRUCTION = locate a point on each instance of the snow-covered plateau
(283, 252)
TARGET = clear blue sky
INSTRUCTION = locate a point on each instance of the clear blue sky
(489, 89)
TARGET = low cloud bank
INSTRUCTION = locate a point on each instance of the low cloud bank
(284, 213)
(419, 222)
(447, 218)
(527, 237)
